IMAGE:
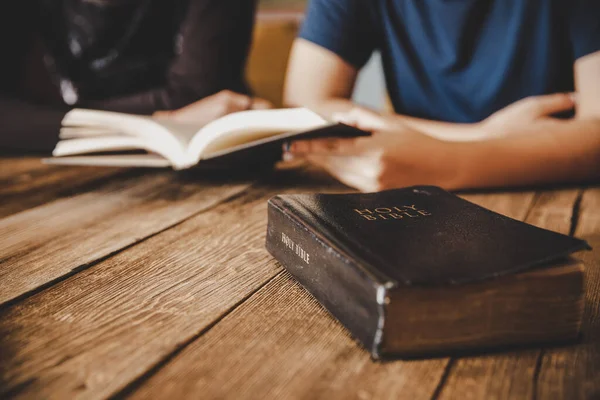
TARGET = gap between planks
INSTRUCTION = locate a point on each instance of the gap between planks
(46, 244)
(282, 343)
(138, 382)
(96, 332)
(513, 375)
(468, 377)
(26, 182)
(573, 371)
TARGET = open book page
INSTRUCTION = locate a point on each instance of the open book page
(249, 126)
(86, 127)
(183, 133)
(183, 145)
(97, 144)
(79, 132)
(109, 160)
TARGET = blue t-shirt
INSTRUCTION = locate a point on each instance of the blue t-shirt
(460, 60)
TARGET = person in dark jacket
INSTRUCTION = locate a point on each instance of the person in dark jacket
(133, 56)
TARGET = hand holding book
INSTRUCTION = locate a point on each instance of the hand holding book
(406, 151)
(387, 159)
(238, 138)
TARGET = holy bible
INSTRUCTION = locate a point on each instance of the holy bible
(420, 272)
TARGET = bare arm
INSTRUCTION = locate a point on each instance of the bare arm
(570, 152)
(544, 151)
(566, 151)
(321, 80)
(318, 79)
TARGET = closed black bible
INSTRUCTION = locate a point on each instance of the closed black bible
(419, 271)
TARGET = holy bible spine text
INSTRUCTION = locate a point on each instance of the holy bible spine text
(344, 288)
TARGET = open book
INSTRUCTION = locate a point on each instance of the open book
(91, 137)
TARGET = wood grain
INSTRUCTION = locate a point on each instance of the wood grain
(26, 182)
(573, 372)
(514, 205)
(510, 375)
(48, 242)
(10, 166)
(282, 344)
(92, 334)
(159, 287)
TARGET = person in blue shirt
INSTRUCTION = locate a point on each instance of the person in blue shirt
(477, 87)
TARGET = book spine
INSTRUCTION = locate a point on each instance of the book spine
(333, 279)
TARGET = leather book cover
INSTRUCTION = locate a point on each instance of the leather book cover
(348, 250)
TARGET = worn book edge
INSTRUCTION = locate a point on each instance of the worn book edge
(370, 335)
(382, 286)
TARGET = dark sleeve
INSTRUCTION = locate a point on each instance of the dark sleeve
(343, 27)
(215, 40)
(23, 125)
(27, 126)
(585, 27)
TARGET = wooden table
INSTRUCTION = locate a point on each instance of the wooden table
(154, 285)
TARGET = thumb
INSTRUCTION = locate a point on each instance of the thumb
(361, 118)
(553, 103)
(261, 104)
(162, 114)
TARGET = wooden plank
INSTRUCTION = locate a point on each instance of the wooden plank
(52, 241)
(10, 165)
(573, 372)
(26, 182)
(95, 332)
(514, 205)
(92, 334)
(510, 375)
(281, 343)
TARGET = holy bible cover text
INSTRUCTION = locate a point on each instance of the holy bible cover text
(419, 271)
